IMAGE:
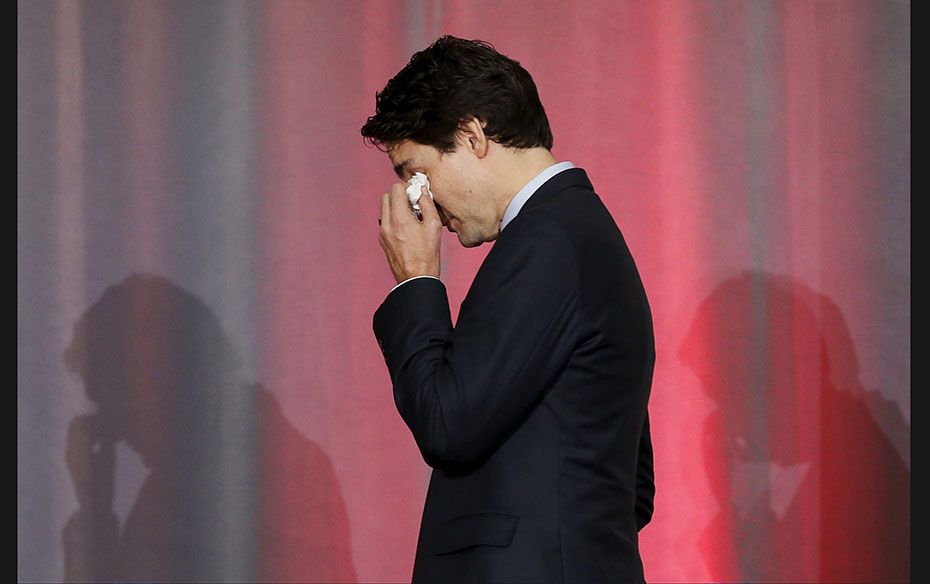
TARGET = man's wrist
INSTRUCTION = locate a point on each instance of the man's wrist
(413, 278)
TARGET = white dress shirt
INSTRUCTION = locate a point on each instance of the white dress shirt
(518, 200)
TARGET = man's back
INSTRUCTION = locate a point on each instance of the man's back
(532, 411)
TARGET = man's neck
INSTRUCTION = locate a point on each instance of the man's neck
(525, 165)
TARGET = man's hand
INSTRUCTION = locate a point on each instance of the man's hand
(92, 462)
(412, 246)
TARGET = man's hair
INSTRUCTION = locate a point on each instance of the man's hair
(446, 84)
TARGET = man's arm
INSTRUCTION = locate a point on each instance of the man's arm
(460, 390)
(645, 478)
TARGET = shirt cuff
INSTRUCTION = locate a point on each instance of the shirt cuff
(413, 278)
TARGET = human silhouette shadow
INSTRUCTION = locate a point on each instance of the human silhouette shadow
(810, 487)
(235, 492)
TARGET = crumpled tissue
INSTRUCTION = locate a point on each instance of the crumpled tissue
(414, 191)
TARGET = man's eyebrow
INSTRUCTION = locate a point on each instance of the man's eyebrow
(400, 168)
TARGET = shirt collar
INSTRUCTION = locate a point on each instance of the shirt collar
(523, 195)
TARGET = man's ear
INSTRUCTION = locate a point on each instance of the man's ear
(471, 132)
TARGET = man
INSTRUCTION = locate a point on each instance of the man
(531, 410)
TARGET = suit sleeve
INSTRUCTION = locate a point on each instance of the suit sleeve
(461, 390)
(645, 478)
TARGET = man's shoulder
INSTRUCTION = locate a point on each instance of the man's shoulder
(561, 219)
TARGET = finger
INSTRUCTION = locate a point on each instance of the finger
(428, 206)
(400, 204)
(385, 210)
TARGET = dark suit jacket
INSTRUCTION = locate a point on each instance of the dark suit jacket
(531, 410)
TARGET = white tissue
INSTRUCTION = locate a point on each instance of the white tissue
(413, 190)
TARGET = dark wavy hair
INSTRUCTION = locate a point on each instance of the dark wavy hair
(446, 84)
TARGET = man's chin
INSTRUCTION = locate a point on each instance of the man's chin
(466, 242)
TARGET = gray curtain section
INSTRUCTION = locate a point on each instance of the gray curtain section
(136, 289)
